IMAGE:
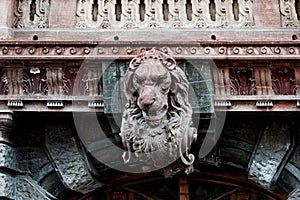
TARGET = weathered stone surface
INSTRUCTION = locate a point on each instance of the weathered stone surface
(32, 14)
(295, 195)
(166, 14)
(270, 154)
(63, 148)
(27, 189)
(8, 157)
(7, 186)
(157, 120)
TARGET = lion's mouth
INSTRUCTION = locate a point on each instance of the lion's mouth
(154, 117)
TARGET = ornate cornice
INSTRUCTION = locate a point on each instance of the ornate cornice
(53, 50)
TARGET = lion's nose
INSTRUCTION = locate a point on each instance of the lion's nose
(148, 101)
(147, 98)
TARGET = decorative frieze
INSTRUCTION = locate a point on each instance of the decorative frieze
(164, 14)
(127, 50)
(255, 81)
(32, 14)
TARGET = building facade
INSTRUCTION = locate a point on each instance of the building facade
(62, 68)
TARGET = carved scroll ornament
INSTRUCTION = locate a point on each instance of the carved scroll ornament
(128, 14)
(32, 14)
(156, 125)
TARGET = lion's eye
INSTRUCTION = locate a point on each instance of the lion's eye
(164, 90)
(138, 80)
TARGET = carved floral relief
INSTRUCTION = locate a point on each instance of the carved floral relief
(283, 81)
(35, 81)
(242, 81)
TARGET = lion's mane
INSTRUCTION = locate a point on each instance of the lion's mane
(176, 132)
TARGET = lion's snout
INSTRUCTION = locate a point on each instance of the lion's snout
(147, 98)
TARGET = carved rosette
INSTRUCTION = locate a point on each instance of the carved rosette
(156, 125)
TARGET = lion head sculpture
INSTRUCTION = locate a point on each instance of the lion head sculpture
(156, 124)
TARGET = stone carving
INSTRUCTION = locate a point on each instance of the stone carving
(167, 14)
(288, 13)
(8, 157)
(201, 16)
(242, 81)
(3, 82)
(69, 75)
(222, 81)
(27, 189)
(246, 17)
(54, 81)
(12, 184)
(206, 51)
(153, 13)
(263, 81)
(294, 195)
(68, 160)
(22, 188)
(130, 14)
(156, 124)
(224, 13)
(95, 15)
(32, 14)
(271, 153)
(283, 81)
(14, 79)
(34, 81)
(7, 184)
(91, 81)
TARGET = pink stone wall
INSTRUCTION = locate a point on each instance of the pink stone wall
(267, 13)
(62, 13)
